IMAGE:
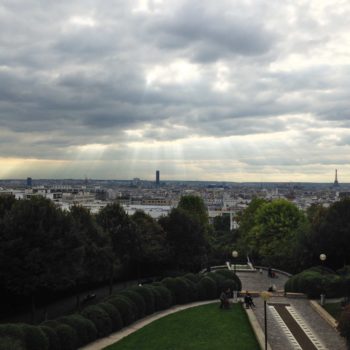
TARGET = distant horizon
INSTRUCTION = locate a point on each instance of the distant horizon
(174, 180)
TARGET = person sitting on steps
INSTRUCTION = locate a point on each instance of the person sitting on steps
(248, 300)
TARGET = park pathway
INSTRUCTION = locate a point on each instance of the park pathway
(291, 322)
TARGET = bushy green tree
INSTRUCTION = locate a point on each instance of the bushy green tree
(117, 224)
(195, 207)
(39, 250)
(330, 234)
(187, 240)
(96, 248)
(152, 246)
(273, 232)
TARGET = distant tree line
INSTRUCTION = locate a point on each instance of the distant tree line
(46, 251)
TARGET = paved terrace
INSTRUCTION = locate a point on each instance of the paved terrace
(326, 336)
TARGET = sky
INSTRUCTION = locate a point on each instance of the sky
(239, 90)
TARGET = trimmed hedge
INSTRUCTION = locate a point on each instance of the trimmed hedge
(137, 299)
(10, 343)
(148, 297)
(12, 331)
(24, 335)
(207, 289)
(34, 338)
(84, 328)
(230, 275)
(54, 342)
(99, 318)
(68, 337)
(125, 307)
(344, 324)
(114, 315)
(218, 279)
(192, 289)
(195, 278)
(73, 331)
(163, 297)
(316, 281)
(178, 289)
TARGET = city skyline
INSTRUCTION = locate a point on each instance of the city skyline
(233, 91)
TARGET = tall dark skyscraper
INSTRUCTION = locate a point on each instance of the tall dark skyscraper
(157, 177)
(29, 182)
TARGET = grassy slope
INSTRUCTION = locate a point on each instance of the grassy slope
(205, 327)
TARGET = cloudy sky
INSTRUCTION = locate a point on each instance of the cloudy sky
(227, 90)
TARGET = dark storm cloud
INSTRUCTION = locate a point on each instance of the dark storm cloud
(206, 33)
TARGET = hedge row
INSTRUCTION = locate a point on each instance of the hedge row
(119, 310)
(318, 280)
(344, 324)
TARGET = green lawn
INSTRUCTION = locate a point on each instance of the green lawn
(333, 309)
(203, 328)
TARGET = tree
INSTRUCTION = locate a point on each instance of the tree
(330, 234)
(38, 251)
(96, 248)
(195, 207)
(271, 230)
(222, 240)
(122, 232)
(276, 232)
(247, 220)
(151, 241)
(186, 238)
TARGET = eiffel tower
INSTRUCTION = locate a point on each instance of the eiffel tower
(336, 183)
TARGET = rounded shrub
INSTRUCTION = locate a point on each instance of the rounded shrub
(162, 296)
(192, 289)
(125, 307)
(10, 343)
(54, 342)
(114, 315)
(34, 338)
(344, 324)
(207, 289)
(334, 286)
(178, 289)
(218, 279)
(99, 318)
(84, 328)
(193, 277)
(148, 297)
(14, 331)
(137, 299)
(68, 337)
(228, 274)
(316, 281)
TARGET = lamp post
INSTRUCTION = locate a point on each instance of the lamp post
(234, 255)
(323, 258)
(265, 296)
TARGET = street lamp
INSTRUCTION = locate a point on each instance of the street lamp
(265, 296)
(323, 258)
(234, 255)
